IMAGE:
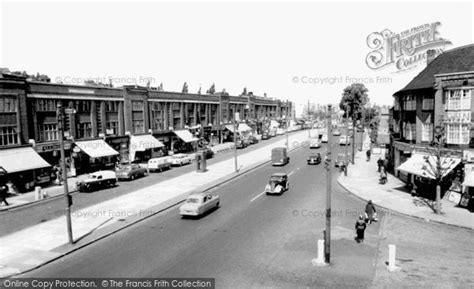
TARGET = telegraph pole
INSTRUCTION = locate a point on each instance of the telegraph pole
(235, 144)
(287, 126)
(327, 235)
(346, 159)
(60, 118)
(311, 123)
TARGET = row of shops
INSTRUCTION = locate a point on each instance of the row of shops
(38, 164)
(419, 169)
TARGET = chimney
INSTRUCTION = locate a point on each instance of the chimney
(430, 56)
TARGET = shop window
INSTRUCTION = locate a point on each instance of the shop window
(8, 135)
(427, 132)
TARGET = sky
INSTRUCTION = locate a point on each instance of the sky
(306, 51)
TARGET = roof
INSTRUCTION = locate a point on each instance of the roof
(21, 159)
(279, 174)
(460, 59)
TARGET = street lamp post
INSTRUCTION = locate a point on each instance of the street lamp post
(287, 125)
(346, 159)
(235, 142)
(60, 119)
(327, 235)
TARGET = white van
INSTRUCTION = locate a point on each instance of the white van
(159, 164)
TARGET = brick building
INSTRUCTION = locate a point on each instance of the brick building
(103, 124)
(439, 99)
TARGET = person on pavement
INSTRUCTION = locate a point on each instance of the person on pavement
(370, 212)
(368, 153)
(379, 164)
(3, 195)
(360, 227)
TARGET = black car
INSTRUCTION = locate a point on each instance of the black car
(241, 144)
(314, 159)
(265, 136)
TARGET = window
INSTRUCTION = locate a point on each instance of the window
(427, 132)
(8, 135)
(84, 130)
(457, 133)
(48, 132)
(137, 105)
(466, 99)
(409, 131)
(83, 106)
(111, 127)
(138, 126)
(409, 103)
(111, 106)
(8, 104)
(428, 104)
(46, 105)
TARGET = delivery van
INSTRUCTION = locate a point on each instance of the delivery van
(159, 164)
(280, 157)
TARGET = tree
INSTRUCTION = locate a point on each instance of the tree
(437, 166)
(185, 88)
(211, 89)
(354, 97)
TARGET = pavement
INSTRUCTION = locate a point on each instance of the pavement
(54, 190)
(33, 246)
(363, 181)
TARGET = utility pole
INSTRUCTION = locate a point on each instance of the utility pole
(327, 235)
(287, 126)
(68, 198)
(311, 123)
(346, 158)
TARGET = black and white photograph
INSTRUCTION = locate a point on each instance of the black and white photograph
(236, 144)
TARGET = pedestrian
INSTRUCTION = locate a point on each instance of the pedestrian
(370, 212)
(368, 152)
(11, 188)
(3, 195)
(360, 227)
(379, 164)
(414, 191)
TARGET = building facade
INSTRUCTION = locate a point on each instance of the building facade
(438, 101)
(103, 124)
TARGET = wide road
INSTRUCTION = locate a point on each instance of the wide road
(252, 240)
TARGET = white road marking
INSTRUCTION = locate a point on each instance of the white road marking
(291, 173)
(257, 196)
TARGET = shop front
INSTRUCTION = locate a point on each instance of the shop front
(244, 130)
(467, 198)
(145, 147)
(93, 155)
(121, 145)
(51, 153)
(24, 167)
(184, 142)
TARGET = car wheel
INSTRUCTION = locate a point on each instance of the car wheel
(132, 177)
(217, 205)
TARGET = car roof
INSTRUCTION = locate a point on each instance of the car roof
(279, 174)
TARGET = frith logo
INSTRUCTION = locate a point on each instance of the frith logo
(404, 50)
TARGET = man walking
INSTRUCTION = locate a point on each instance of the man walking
(368, 152)
(360, 229)
(370, 212)
(3, 195)
(379, 164)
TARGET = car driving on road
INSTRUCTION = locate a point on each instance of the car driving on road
(314, 159)
(278, 184)
(198, 204)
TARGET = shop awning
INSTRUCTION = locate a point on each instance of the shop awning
(230, 127)
(274, 123)
(143, 142)
(96, 148)
(243, 127)
(21, 159)
(469, 180)
(185, 135)
(425, 166)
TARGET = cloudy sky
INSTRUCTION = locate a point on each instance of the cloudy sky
(276, 48)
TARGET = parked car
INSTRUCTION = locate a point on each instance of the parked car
(97, 180)
(265, 135)
(280, 157)
(314, 143)
(240, 144)
(344, 140)
(130, 172)
(314, 159)
(273, 132)
(336, 132)
(252, 139)
(324, 138)
(198, 204)
(278, 184)
(180, 159)
(159, 164)
(280, 131)
(247, 141)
